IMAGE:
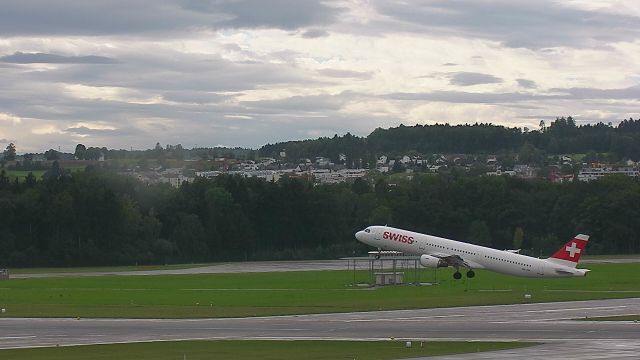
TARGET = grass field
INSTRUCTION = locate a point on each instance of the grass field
(249, 350)
(22, 174)
(261, 294)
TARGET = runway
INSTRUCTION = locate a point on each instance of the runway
(549, 323)
(221, 268)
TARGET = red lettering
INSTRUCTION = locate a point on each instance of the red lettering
(398, 237)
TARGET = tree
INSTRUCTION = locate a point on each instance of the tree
(80, 152)
(360, 186)
(518, 238)
(479, 233)
(10, 152)
(55, 172)
(51, 154)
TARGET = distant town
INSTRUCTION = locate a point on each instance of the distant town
(175, 170)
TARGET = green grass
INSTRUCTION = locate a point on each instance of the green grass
(262, 294)
(266, 350)
(21, 175)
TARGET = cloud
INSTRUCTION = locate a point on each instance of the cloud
(363, 75)
(85, 130)
(306, 104)
(116, 17)
(471, 78)
(631, 93)
(280, 14)
(194, 97)
(527, 84)
(531, 24)
(42, 58)
(315, 33)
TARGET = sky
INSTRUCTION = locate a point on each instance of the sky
(203, 73)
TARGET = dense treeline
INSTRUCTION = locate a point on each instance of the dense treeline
(562, 136)
(92, 217)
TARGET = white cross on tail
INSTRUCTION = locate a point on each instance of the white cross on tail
(573, 250)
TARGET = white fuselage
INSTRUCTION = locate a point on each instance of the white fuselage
(477, 257)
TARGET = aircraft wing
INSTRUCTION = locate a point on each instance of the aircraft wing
(456, 261)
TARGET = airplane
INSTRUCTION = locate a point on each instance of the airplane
(436, 252)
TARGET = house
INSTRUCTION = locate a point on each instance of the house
(501, 172)
(323, 161)
(596, 173)
(525, 171)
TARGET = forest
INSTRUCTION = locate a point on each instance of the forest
(95, 217)
(561, 136)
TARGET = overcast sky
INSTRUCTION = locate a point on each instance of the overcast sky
(245, 73)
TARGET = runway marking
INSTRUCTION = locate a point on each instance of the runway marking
(578, 309)
(417, 318)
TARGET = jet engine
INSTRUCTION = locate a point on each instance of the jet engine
(432, 261)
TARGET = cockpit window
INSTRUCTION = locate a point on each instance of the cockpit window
(367, 230)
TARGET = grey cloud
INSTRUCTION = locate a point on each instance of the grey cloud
(194, 97)
(527, 84)
(464, 97)
(83, 130)
(298, 103)
(472, 78)
(315, 33)
(632, 92)
(532, 24)
(449, 64)
(175, 71)
(109, 17)
(282, 14)
(363, 75)
(42, 58)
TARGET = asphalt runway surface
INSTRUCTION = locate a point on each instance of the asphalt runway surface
(549, 323)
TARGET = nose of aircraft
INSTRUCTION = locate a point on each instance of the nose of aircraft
(360, 235)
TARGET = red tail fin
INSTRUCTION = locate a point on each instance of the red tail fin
(570, 253)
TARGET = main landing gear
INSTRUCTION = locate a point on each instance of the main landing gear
(457, 275)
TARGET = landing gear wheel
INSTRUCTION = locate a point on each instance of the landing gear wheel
(470, 274)
(457, 275)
